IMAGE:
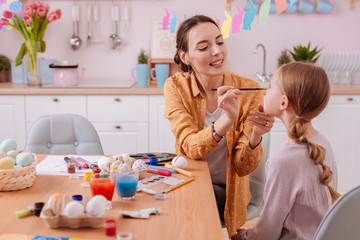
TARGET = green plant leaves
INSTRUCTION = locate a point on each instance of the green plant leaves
(304, 53)
(21, 54)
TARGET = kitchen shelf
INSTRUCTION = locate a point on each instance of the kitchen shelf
(172, 67)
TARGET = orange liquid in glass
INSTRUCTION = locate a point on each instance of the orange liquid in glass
(102, 186)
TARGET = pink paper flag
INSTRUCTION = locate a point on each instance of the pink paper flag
(237, 20)
(225, 28)
(280, 6)
(166, 20)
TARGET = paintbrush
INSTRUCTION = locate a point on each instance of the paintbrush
(244, 89)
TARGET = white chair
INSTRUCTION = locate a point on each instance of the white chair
(257, 182)
(63, 134)
(342, 221)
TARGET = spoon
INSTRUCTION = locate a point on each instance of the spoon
(115, 40)
(75, 41)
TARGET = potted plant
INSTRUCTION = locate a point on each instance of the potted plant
(305, 54)
(4, 67)
(284, 57)
(142, 69)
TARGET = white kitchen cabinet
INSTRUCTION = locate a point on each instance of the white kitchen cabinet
(161, 138)
(121, 122)
(12, 122)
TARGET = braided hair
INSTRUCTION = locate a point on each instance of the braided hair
(308, 90)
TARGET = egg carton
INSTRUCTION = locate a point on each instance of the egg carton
(61, 220)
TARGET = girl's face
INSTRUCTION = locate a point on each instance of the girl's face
(274, 96)
(206, 50)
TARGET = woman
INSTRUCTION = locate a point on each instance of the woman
(216, 125)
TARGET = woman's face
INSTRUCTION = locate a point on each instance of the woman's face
(206, 50)
(274, 96)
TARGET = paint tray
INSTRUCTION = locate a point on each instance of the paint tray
(158, 184)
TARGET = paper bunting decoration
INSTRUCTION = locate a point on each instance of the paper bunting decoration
(217, 20)
(166, 20)
(225, 27)
(280, 6)
(173, 23)
(264, 11)
(237, 20)
(249, 17)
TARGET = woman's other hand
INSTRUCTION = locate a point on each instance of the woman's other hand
(238, 234)
(227, 100)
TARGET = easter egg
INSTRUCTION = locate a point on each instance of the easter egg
(125, 156)
(124, 168)
(114, 165)
(130, 161)
(118, 158)
(54, 203)
(6, 163)
(2, 154)
(179, 162)
(24, 159)
(12, 153)
(97, 206)
(8, 144)
(74, 209)
(104, 163)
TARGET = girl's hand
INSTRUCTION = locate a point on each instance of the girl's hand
(227, 100)
(262, 122)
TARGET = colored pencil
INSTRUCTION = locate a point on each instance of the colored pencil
(181, 184)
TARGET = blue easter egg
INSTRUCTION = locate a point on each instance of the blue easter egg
(8, 144)
(24, 159)
(15, 6)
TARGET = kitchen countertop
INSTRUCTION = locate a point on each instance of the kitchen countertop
(9, 88)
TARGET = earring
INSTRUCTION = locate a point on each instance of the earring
(188, 72)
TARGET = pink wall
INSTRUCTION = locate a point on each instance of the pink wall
(338, 31)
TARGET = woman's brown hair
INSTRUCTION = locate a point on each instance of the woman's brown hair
(182, 39)
(308, 90)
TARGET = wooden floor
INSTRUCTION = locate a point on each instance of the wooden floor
(249, 224)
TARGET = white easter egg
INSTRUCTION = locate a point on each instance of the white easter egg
(24, 159)
(179, 162)
(130, 161)
(96, 206)
(139, 165)
(104, 163)
(124, 168)
(54, 203)
(8, 144)
(125, 156)
(74, 209)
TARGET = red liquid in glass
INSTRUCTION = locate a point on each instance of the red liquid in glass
(102, 186)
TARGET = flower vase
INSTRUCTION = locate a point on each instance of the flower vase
(33, 68)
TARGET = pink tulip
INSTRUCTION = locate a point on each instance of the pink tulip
(4, 21)
(7, 14)
(29, 5)
(37, 4)
(52, 17)
(41, 12)
(29, 11)
(58, 13)
(46, 6)
(27, 20)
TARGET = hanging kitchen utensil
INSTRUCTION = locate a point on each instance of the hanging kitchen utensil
(96, 37)
(114, 38)
(75, 40)
(89, 18)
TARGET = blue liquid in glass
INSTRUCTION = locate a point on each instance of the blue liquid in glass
(126, 185)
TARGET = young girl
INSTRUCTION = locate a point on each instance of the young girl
(302, 176)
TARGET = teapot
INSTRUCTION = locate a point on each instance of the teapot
(66, 74)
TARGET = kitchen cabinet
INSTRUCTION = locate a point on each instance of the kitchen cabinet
(38, 106)
(121, 122)
(161, 138)
(339, 123)
(12, 122)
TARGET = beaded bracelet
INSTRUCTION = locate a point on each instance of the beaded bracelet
(215, 135)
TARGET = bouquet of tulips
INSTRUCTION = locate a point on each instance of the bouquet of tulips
(31, 25)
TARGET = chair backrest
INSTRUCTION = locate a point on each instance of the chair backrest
(257, 182)
(63, 134)
(342, 221)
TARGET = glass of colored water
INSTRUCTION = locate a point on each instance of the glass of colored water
(126, 184)
(101, 184)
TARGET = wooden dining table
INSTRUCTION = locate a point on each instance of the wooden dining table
(188, 212)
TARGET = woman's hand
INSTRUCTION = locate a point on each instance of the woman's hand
(238, 234)
(263, 123)
(227, 100)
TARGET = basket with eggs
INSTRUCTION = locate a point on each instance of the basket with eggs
(17, 168)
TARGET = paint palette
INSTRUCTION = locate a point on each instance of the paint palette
(162, 157)
(158, 184)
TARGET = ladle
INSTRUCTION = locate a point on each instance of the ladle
(75, 41)
(115, 40)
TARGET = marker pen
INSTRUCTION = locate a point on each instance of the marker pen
(81, 163)
(163, 168)
(159, 171)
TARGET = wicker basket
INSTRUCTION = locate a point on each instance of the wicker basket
(17, 179)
